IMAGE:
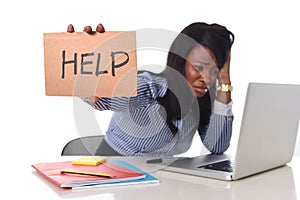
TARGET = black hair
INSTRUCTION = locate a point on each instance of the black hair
(212, 36)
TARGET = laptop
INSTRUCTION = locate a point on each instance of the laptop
(267, 136)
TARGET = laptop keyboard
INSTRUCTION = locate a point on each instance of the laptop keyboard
(226, 166)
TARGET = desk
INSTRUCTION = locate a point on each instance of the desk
(281, 183)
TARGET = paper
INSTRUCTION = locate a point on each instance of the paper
(100, 64)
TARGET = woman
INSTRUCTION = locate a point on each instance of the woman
(192, 93)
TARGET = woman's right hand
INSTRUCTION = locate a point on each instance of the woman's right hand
(89, 30)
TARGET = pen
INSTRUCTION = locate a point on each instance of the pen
(69, 171)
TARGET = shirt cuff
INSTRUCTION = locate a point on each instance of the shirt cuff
(223, 109)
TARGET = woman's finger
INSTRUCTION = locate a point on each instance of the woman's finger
(100, 28)
(88, 29)
(70, 28)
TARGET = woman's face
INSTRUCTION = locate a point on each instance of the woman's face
(200, 70)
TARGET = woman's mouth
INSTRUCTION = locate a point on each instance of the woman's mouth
(200, 89)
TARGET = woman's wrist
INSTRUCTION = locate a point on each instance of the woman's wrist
(224, 88)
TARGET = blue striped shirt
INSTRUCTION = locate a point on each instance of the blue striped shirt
(138, 126)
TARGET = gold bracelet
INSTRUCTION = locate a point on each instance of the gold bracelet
(224, 88)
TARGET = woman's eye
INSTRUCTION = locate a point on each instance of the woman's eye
(199, 67)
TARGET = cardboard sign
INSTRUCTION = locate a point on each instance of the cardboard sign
(100, 64)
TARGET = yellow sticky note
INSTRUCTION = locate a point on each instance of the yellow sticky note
(89, 160)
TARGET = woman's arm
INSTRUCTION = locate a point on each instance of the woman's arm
(149, 88)
(216, 138)
(217, 135)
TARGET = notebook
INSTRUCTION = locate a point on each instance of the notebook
(267, 136)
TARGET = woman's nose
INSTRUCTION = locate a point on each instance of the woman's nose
(205, 77)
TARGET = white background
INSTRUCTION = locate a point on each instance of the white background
(266, 49)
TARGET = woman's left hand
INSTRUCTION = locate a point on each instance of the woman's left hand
(225, 71)
(225, 97)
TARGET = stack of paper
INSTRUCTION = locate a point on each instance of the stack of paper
(121, 173)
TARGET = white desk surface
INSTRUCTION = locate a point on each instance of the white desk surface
(282, 183)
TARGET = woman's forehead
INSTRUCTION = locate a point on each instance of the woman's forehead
(201, 54)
